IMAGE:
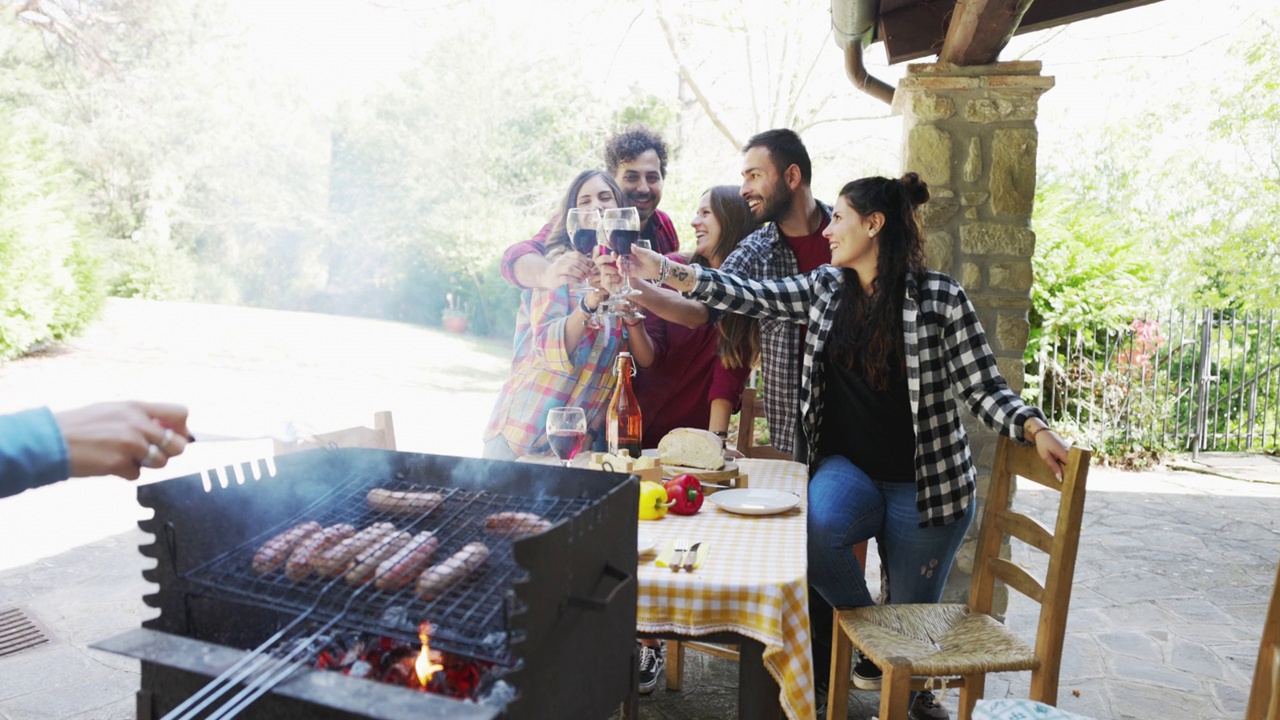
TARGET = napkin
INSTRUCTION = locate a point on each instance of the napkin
(669, 549)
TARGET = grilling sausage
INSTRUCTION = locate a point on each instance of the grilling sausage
(366, 563)
(396, 502)
(275, 551)
(518, 523)
(299, 564)
(438, 578)
(400, 569)
(337, 560)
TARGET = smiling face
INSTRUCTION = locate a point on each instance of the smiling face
(706, 228)
(852, 238)
(641, 179)
(764, 186)
(595, 194)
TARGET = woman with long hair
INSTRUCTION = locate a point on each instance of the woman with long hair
(698, 373)
(888, 343)
(563, 355)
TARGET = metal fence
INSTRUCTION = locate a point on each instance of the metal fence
(1185, 380)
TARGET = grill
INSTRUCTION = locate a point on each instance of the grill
(553, 612)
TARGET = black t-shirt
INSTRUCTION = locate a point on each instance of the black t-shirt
(872, 428)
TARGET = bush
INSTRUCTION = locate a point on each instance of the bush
(50, 285)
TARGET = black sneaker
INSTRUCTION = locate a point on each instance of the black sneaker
(653, 660)
(926, 707)
(866, 676)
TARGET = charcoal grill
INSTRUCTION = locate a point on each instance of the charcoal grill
(555, 612)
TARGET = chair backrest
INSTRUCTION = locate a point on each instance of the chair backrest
(381, 436)
(999, 519)
(752, 408)
(1264, 697)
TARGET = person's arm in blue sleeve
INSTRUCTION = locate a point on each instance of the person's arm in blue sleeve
(32, 451)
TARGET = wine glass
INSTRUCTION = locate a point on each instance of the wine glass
(580, 224)
(566, 431)
(619, 228)
(629, 310)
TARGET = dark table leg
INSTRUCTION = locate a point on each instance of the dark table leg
(758, 693)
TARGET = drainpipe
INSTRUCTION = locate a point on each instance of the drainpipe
(861, 79)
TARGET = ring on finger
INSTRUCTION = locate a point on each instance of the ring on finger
(154, 457)
(164, 442)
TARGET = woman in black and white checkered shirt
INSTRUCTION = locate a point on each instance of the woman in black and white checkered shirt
(890, 345)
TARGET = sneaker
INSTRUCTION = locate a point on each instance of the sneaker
(866, 676)
(653, 660)
(926, 707)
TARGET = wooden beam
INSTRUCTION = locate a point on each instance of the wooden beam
(979, 30)
(917, 28)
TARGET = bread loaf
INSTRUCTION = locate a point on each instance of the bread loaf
(691, 447)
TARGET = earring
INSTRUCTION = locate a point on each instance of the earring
(872, 233)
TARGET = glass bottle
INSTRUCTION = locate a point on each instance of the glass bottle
(624, 424)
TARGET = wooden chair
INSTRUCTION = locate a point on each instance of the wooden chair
(381, 436)
(752, 408)
(963, 642)
(1264, 696)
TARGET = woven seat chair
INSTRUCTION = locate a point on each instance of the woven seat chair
(381, 436)
(1264, 696)
(961, 643)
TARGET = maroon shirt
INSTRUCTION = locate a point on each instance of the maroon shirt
(686, 375)
(659, 230)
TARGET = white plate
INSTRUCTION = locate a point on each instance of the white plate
(645, 542)
(754, 501)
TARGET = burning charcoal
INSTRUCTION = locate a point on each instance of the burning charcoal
(398, 616)
(500, 695)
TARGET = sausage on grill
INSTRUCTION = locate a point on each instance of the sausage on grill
(438, 578)
(338, 559)
(400, 569)
(518, 523)
(366, 563)
(396, 502)
(275, 551)
(299, 563)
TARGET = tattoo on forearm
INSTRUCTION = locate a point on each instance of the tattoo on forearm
(680, 273)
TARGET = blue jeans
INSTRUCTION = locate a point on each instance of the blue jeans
(847, 507)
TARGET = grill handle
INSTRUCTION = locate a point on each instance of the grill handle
(622, 577)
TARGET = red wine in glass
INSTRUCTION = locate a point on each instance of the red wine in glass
(621, 240)
(566, 443)
(584, 240)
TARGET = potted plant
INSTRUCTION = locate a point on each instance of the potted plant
(455, 314)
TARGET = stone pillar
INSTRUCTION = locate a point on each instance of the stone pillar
(970, 132)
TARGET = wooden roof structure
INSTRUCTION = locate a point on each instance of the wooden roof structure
(961, 32)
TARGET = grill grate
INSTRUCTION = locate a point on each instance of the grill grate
(18, 632)
(470, 618)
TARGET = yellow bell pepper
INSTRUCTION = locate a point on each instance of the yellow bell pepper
(653, 500)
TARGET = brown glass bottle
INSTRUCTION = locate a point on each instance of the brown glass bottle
(624, 428)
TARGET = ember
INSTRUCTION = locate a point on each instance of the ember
(384, 660)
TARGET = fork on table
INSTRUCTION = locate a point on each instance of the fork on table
(679, 546)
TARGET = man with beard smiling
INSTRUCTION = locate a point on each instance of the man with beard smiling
(776, 173)
(637, 160)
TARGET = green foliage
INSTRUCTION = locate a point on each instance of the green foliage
(49, 280)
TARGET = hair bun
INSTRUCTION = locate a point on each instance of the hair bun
(914, 189)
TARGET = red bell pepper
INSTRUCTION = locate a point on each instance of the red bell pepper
(686, 493)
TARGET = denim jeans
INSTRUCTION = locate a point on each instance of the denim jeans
(847, 507)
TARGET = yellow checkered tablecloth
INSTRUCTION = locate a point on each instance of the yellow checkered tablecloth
(753, 581)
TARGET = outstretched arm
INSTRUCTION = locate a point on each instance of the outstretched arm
(788, 298)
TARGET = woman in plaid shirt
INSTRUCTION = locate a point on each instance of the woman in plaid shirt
(561, 356)
(888, 344)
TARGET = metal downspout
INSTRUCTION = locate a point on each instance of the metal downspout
(861, 79)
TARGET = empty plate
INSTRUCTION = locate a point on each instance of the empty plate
(754, 501)
(645, 542)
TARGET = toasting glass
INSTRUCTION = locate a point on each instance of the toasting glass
(566, 431)
(581, 225)
(619, 229)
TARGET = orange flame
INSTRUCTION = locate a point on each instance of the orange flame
(427, 664)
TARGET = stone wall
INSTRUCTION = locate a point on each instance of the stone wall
(969, 131)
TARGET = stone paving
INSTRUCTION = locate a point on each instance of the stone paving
(1173, 576)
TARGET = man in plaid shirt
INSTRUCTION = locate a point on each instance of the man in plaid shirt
(776, 174)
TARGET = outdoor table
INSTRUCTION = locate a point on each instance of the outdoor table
(751, 589)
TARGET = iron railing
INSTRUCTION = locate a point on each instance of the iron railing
(1179, 380)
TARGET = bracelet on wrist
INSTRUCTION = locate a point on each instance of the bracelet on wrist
(664, 270)
(1035, 433)
(582, 303)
